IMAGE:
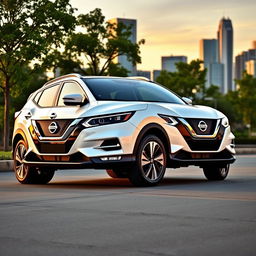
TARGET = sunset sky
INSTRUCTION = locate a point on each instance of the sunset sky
(175, 27)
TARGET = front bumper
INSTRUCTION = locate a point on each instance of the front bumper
(94, 162)
(184, 159)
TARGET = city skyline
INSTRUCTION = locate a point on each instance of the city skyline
(174, 28)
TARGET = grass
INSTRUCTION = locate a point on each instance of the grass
(5, 155)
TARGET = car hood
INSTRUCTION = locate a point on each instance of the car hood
(178, 110)
(110, 107)
(191, 111)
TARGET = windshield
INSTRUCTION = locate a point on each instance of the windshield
(123, 89)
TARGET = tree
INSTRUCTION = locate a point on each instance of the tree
(247, 99)
(99, 44)
(29, 81)
(28, 28)
(188, 81)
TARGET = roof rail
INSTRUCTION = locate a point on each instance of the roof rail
(62, 77)
(138, 78)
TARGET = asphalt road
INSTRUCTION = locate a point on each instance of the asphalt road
(84, 212)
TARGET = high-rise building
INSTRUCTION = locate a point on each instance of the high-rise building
(209, 50)
(122, 59)
(209, 55)
(251, 67)
(225, 46)
(168, 62)
(242, 59)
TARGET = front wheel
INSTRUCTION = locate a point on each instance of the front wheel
(216, 173)
(150, 162)
(26, 174)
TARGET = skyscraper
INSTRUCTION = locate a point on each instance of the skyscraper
(209, 50)
(242, 59)
(225, 45)
(122, 59)
(209, 55)
(168, 62)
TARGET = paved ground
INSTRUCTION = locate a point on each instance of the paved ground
(87, 213)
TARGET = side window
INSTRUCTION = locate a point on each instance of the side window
(48, 96)
(69, 88)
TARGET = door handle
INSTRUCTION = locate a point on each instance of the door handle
(53, 115)
(28, 115)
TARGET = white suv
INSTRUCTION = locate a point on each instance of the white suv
(131, 127)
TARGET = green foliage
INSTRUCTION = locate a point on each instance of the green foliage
(247, 99)
(188, 81)
(115, 69)
(5, 155)
(29, 80)
(28, 29)
(93, 51)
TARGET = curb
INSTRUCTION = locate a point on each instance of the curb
(7, 165)
(245, 151)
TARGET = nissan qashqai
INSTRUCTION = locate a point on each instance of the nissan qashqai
(131, 127)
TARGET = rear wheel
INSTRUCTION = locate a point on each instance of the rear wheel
(117, 173)
(150, 163)
(216, 173)
(26, 174)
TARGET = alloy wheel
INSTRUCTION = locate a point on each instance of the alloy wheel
(20, 168)
(152, 161)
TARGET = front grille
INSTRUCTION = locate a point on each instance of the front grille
(202, 144)
(211, 125)
(50, 147)
(58, 147)
(43, 127)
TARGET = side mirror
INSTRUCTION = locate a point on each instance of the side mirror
(74, 100)
(187, 100)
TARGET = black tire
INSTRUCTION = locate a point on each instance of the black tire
(216, 173)
(26, 174)
(150, 162)
(117, 173)
(44, 175)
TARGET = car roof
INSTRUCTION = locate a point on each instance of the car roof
(99, 77)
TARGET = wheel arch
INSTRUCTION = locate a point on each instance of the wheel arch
(20, 135)
(157, 130)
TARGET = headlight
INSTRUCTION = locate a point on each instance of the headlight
(108, 119)
(169, 119)
(225, 122)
